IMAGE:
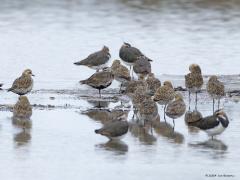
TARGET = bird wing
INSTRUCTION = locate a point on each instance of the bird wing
(21, 82)
(207, 122)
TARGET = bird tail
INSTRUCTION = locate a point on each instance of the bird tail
(82, 62)
(83, 82)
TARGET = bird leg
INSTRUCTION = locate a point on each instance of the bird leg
(120, 88)
(164, 112)
(196, 102)
(189, 100)
(173, 124)
(99, 91)
(218, 103)
(213, 104)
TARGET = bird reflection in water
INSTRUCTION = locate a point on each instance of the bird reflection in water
(22, 112)
(118, 147)
(166, 130)
(213, 147)
(143, 133)
(105, 115)
(99, 104)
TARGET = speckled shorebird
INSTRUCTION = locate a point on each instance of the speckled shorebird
(176, 108)
(152, 84)
(22, 108)
(147, 111)
(97, 60)
(23, 84)
(114, 130)
(194, 81)
(129, 54)
(100, 80)
(215, 89)
(120, 72)
(164, 95)
(133, 85)
(215, 124)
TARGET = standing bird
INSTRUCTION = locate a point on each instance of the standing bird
(97, 60)
(194, 81)
(22, 109)
(99, 80)
(120, 72)
(176, 108)
(23, 84)
(152, 84)
(142, 67)
(129, 54)
(114, 130)
(213, 125)
(133, 85)
(164, 95)
(215, 89)
(147, 111)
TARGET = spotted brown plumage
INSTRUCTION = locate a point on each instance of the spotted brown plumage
(152, 84)
(133, 85)
(22, 108)
(194, 81)
(176, 108)
(147, 111)
(142, 67)
(97, 60)
(215, 89)
(23, 84)
(120, 72)
(99, 80)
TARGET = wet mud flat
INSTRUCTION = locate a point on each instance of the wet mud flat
(62, 127)
(69, 98)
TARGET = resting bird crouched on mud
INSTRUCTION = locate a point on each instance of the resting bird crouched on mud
(100, 80)
(152, 84)
(142, 67)
(23, 84)
(194, 81)
(215, 89)
(97, 60)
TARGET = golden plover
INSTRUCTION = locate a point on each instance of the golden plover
(176, 108)
(23, 84)
(194, 81)
(215, 89)
(152, 84)
(164, 95)
(120, 72)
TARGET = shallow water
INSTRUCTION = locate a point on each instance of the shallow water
(48, 36)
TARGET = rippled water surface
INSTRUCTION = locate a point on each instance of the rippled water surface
(48, 36)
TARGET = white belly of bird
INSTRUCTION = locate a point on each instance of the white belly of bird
(100, 66)
(118, 137)
(127, 63)
(216, 130)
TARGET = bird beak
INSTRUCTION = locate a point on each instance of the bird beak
(33, 75)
